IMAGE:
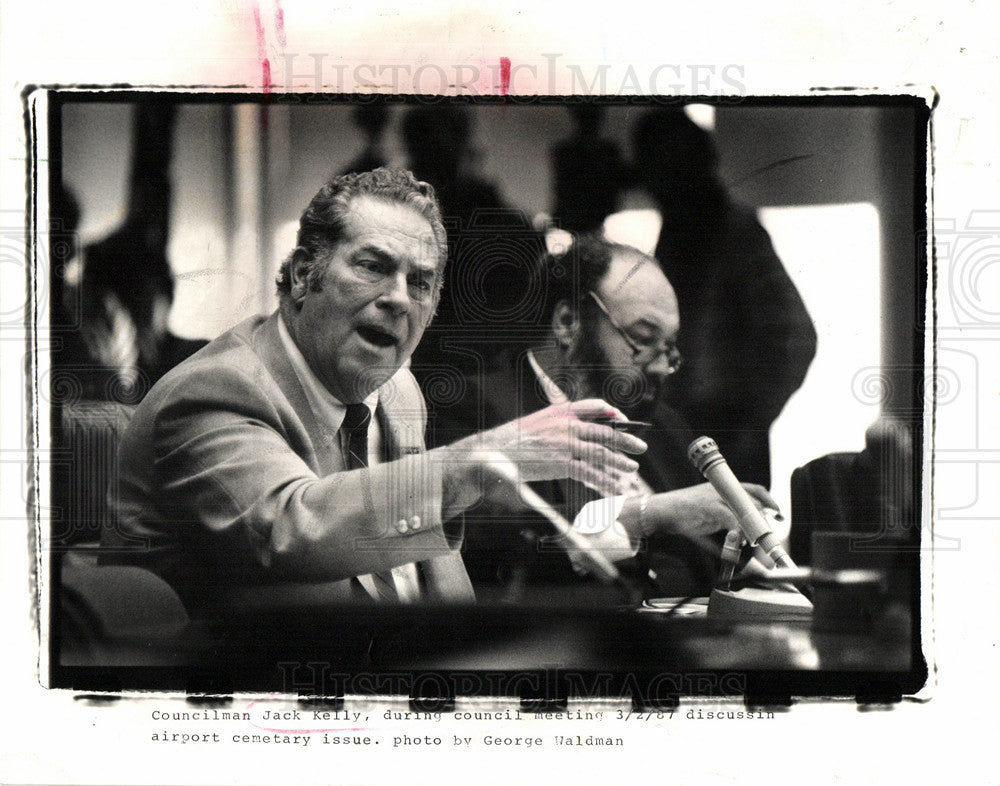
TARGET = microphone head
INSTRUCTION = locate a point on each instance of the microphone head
(704, 453)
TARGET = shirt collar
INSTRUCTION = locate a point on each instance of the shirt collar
(552, 391)
(327, 408)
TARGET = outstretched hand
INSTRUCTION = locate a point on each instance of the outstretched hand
(564, 441)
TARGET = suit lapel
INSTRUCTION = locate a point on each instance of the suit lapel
(400, 417)
(324, 442)
(530, 396)
(665, 465)
(400, 422)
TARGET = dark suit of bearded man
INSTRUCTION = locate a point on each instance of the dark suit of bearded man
(494, 544)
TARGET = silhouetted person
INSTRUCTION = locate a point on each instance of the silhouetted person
(371, 120)
(745, 334)
(589, 173)
(872, 493)
(121, 292)
(492, 245)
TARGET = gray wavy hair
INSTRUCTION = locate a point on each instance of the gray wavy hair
(321, 227)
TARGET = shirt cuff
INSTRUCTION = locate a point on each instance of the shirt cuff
(598, 522)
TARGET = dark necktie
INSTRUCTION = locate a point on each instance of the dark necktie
(355, 427)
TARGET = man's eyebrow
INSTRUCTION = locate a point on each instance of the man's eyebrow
(374, 250)
(383, 255)
(644, 322)
(653, 327)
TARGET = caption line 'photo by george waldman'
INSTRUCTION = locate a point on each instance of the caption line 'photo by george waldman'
(574, 398)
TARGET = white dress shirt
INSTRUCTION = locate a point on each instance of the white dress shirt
(330, 412)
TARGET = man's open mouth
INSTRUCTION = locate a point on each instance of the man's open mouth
(377, 336)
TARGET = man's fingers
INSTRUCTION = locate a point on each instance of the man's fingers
(762, 495)
(580, 415)
(609, 437)
(590, 408)
(600, 481)
(602, 458)
(591, 452)
(588, 462)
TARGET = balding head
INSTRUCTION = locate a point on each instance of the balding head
(624, 351)
(634, 283)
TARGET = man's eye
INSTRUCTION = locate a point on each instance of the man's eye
(644, 341)
(374, 266)
(421, 286)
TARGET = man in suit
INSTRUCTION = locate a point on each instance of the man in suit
(611, 324)
(284, 464)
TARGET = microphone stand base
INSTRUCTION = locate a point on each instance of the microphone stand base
(756, 603)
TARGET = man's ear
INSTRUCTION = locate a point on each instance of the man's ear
(565, 324)
(298, 276)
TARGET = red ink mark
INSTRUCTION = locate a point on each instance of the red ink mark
(309, 731)
(261, 39)
(279, 24)
(265, 64)
(504, 75)
(485, 82)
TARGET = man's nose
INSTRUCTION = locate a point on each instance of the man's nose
(396, 295)
(659, 368)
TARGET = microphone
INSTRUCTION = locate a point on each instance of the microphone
(575, 544)
(707, 459)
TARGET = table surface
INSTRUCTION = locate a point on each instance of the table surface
(251, 652)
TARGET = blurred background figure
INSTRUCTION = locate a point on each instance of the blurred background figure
(869, 493)
(493, 248)
(119, 293)
(746, 336)
(589, 173)
(439, 149)
(857, 510)
(111, 324)
(372, 120)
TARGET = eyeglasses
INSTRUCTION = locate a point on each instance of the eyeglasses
(643, 354)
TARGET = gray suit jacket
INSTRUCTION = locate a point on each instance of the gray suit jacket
(232, 491)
